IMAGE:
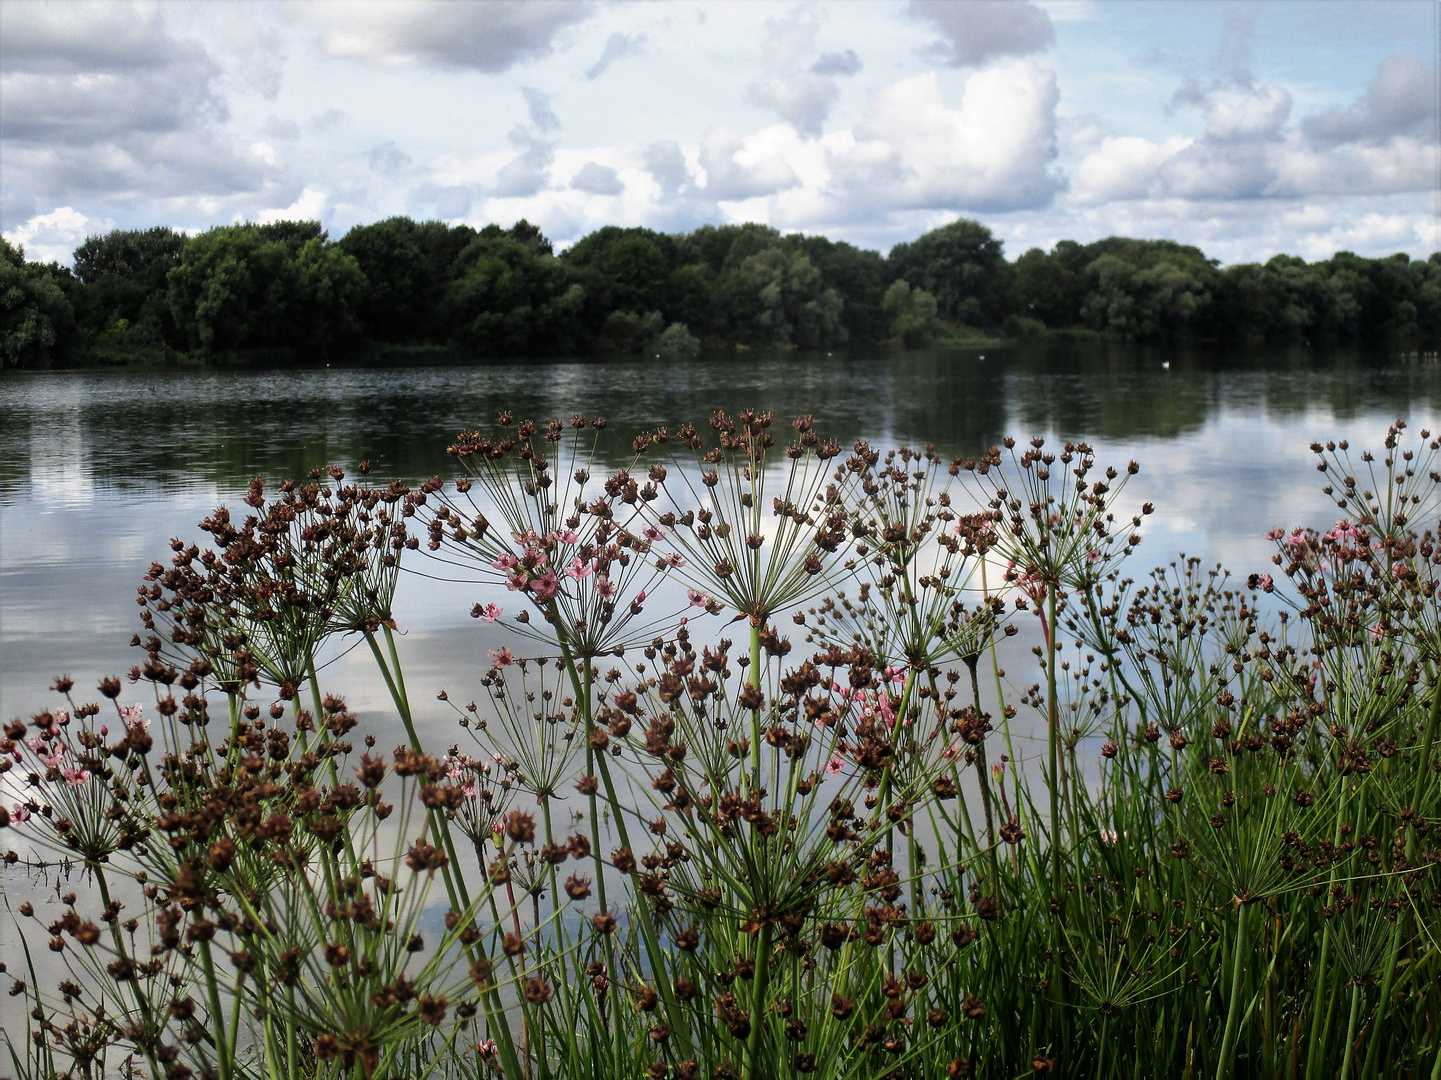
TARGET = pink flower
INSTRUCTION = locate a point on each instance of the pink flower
(697, 599)
(18, 814)
(640, 597)
(651, 533)
(104, 731)
(535, 557)
(1267, 585)
(36, 743)
(76, 777)
(951, 752)
(1275, 534)
(515, 580)
(545, 586)
(491, 613)
(1296, 539)
(604, 589)
(505, 562)
(61, 717)
(578, 569)
(675, 562)
(836, 764)
(468, 790)
(486, 1048)
(502, 657)
(570, 536)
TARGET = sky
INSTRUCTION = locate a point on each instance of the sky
(1247, 129)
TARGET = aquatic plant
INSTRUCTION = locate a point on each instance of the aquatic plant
(670, 848)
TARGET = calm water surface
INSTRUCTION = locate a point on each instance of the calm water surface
(98, 470)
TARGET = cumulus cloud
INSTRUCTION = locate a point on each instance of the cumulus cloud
(105, 102)
(981, 30)
(526, 173)
(309, 206)
(597, 179)
(734, 172)
(490, 37)
(53, 237)
(1382, 144)
(541, 114)
(618, 45)
(992, 153)
(74, 75)
(1401, 100)
(799, 91)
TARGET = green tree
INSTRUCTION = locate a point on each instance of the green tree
(1143, 289)
(245, 287)
(511, 297)
(398, 304)
(35, 314)
(912, 313)
(1051, 286)
(962, 266)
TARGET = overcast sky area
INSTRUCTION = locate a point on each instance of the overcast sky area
(1247, 129)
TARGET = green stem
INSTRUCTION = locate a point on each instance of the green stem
(758, 1002)
(217, 1017)
(983, 778)
(1224, 1061)
(1053, 733)
(1351, 1031)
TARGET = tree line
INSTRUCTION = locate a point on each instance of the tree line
(287, 289)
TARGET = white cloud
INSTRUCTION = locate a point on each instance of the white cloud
(53, 237)
(1249, 152)
(597, 179)
(542, 115)
(310, 206)
(1123, 167)
(798, 90)
(103, 100)
(528, 171)
(735, 170)
(1401, 100)
(980, 30)
(491, 37)
(1245, 115)
(993, 152)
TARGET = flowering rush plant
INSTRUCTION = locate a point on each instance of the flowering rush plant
(662, 847)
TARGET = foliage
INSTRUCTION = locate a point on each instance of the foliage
(35, 313)
(247, 287)
(501, 292)
(792, 856)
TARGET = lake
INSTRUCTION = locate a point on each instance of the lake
(99, 469)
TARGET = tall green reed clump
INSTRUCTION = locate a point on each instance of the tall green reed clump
(681, 843)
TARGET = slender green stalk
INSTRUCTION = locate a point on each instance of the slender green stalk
(1225, 1062)
(983, 778)
(1350, 1046)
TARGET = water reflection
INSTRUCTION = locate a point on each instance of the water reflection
(99, 469)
